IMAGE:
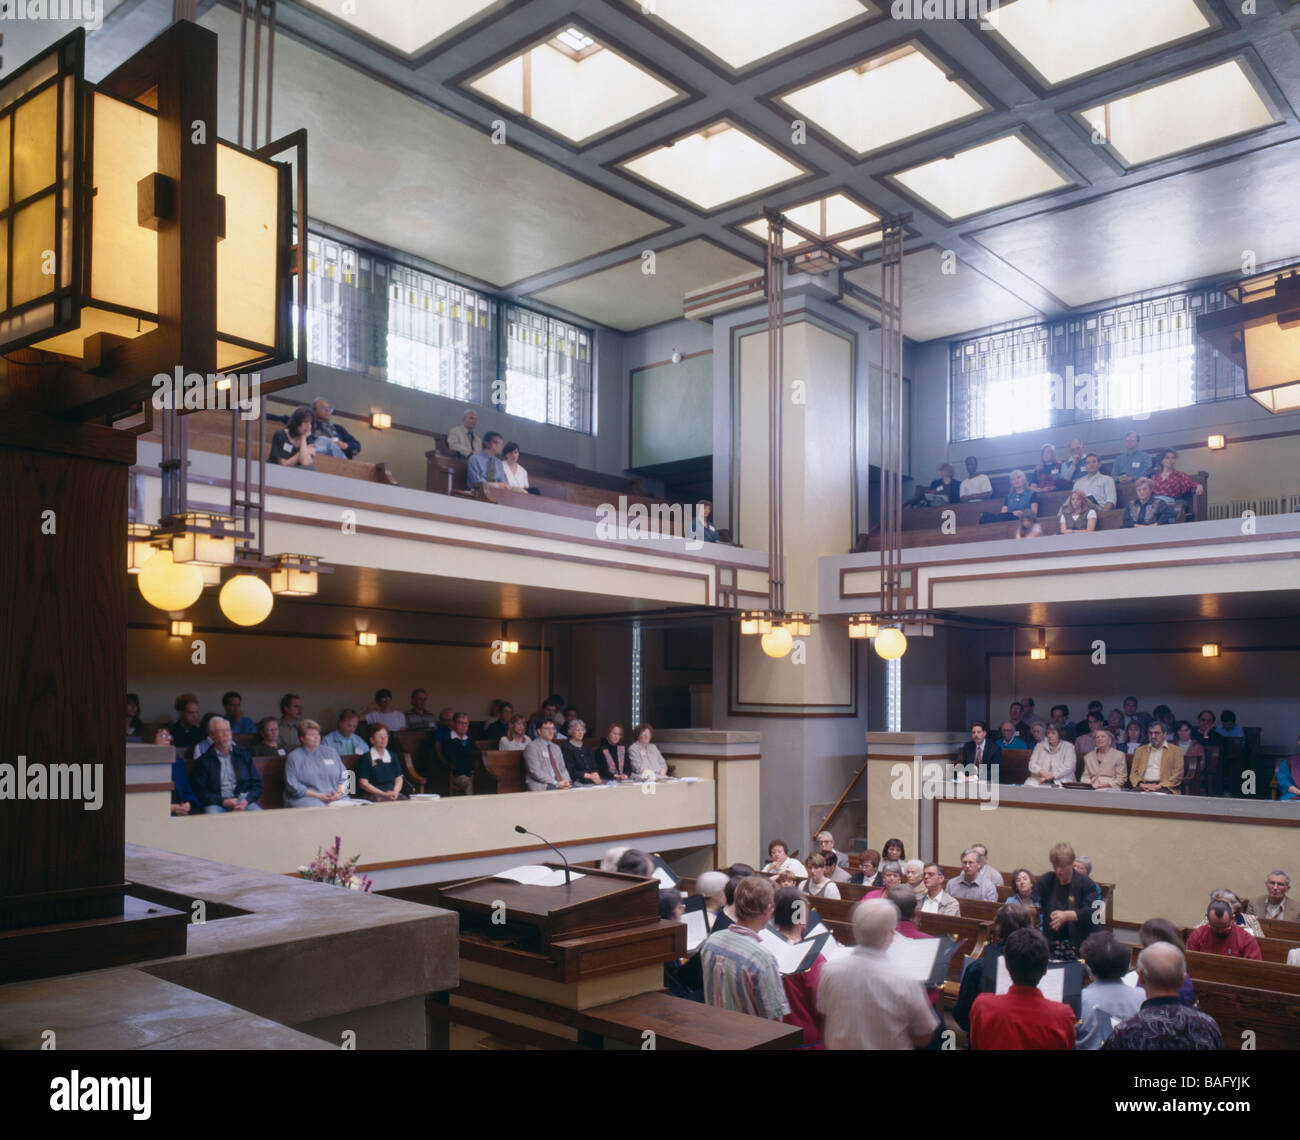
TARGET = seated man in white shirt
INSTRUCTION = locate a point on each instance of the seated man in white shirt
(384, 713)
(1098, 487)
(936, 900)
(975, 486)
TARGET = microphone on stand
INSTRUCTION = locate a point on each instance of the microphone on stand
(525, 831)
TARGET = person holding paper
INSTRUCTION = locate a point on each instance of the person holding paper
(1022, 1018)
(789, 915)
(904, 898)
(868, 1003)
(739, 974)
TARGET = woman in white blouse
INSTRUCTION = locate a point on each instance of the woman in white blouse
(516, 476)
(819, 885)
(778, 860)
(517, 740)
(644, 757)
(1077, 514)
(1053, 759)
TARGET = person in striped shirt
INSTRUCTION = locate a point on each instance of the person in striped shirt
(739, 973)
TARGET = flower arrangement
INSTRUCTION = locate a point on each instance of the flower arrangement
(329, 867)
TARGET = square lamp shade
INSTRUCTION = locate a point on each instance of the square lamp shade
(1262, 335)
(295, 576)
(202, 538)
(79, 217)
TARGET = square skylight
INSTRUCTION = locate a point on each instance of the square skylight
(825, 217)
(575, 86)
(1216, 103)
(741, 34)
(1063, 39)
(982, 178)
(408, 27)
(714, 166)
(882, 100)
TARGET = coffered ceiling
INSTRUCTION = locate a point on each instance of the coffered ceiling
(1077, 151)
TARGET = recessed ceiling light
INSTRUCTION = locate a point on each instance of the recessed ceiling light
(898, 95)
(825, 217)
(742, 34)
(713, 166)
(410, 28)
(1062, 39)
(574, 85)
(982, 178)
(1216, 103)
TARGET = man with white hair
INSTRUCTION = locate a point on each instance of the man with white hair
(461, 439)
(1164, 1022)
(867, 1002)
(837, 860)
(224, 777)
(1275, 903)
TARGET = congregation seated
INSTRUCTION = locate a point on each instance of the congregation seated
(1009, 737)
(1146, 510)
(486, 467)
(224, 778)
(701, 527)
(344, 739)
(544, 762)
(1047, 473)
(134, 725)
(1052, 760)
(942, 491)
(1086, 740)
(979, 750)
(975, 487)
(819, 884)
(268, 738)
(935, 899)
(779, 860)
(1024, 889)
(459, 753)
(290, 714)
(1022, 1018)
(1021, 500)
(291, 445)
(314, 775)
(913, 876)
(1132, 463)
(578, 756)
(1220, 933)
(1275, 903)
(1077, 514)
(1168, 483)
(1104, 766)
(379, 772)
(643, 755)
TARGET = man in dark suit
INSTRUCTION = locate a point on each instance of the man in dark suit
(460, 753)
(979, 749)
(225, 777)
(1071, 905)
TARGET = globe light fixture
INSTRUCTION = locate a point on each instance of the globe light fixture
(777, 642)
(890, 644)
(246, 600)
(165, 585)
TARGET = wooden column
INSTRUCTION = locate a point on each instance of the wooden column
(63, 641)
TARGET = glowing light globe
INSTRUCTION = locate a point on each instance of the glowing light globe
(778, 643)
(168, 586)
(890, 644)
(246, 600)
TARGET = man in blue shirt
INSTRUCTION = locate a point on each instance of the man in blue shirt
(1133, 463)
(233, 703)
(1229, 729)
(485, 466)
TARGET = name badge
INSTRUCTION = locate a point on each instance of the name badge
(329, 762)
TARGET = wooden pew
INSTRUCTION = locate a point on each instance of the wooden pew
(973, 934)
(1004, 892)
(1014, 766)
(500, 772)
(1276, 949)
(1242, 972)
(1269, 1016)
(1276, 928)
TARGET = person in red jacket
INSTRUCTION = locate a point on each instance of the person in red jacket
(1022, 1018)
(1221, 935)
(790, 915)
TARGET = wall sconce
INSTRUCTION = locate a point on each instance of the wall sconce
(295, 576)
(1038, 653)
(381, 421)
(1216, 443)
(1210, 649)
(182, 628)
(367, 640)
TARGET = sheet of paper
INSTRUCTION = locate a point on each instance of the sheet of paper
(789, 955)
(1052, 985)
(537, 876)
(697, 929)
(914, 956)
